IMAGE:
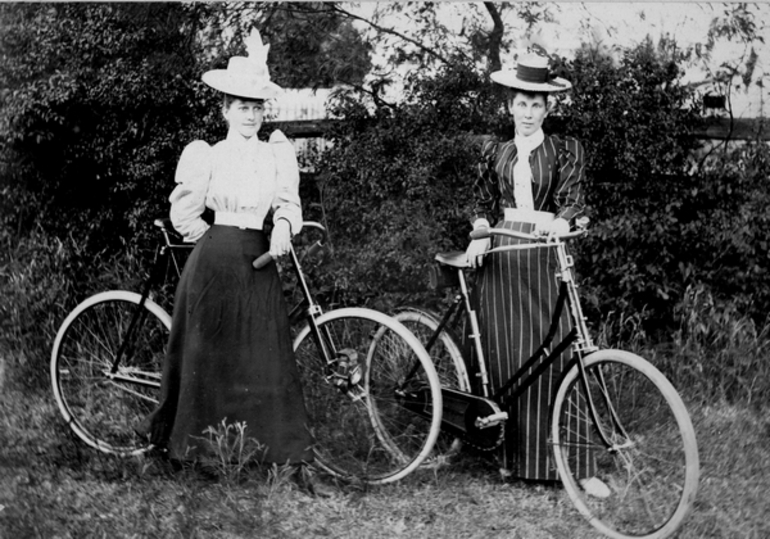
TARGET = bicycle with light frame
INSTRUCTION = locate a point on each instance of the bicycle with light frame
(641, 437)
(372, 393)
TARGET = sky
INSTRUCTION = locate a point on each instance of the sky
(627, 23)
(687, 22)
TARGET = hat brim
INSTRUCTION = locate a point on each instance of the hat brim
(225, 82)
(511, 80)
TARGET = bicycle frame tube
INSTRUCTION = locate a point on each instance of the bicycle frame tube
(443, 323)
(584, 343)
(518, 378)
(475, 335)
(312, 311)
(161, 257)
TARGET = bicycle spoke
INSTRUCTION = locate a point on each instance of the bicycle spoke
(365, 430)
(103, 408)
(650, 461)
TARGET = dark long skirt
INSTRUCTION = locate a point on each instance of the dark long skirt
(517, 292)
(230, 354)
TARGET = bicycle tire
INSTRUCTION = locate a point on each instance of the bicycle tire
(363, 430)
(450, 366)
(103, 409)
(652, 468)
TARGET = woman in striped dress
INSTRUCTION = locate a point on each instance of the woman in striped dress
(530, 184)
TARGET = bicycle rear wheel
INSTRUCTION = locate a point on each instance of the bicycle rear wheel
(651, 465)
(375, 405)
(450, 367)
(100, 403)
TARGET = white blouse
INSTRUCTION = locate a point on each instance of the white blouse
(236, 175)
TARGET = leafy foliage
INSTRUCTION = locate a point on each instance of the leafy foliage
(96, 99)
(311, 44)
(396, 185)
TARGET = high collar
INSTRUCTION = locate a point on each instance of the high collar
(531, 142)
(235, 138)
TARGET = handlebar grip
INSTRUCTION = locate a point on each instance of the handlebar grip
(480, 233)
(262, 261)
(315, 249)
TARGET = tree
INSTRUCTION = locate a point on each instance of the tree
(95, 98)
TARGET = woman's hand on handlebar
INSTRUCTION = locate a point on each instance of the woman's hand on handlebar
(476, 250)
(280, 238)
(558, 227)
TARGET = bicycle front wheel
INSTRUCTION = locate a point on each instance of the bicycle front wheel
(642, 446)
(105, 370)
(372, 395)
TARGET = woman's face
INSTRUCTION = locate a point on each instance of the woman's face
(245, 115)
(529, 111)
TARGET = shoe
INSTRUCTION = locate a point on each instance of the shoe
(305, 480)
(595, 487)
(505, 473)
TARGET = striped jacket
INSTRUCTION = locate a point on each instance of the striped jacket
(557, 178)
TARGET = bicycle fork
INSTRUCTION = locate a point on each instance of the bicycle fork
(583, 346)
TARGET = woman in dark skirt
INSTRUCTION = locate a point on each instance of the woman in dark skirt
(230, 354)
(530, 184)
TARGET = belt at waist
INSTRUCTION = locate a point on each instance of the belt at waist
(528, 216)
(241, 220)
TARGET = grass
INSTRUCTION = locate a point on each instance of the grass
(52, 485)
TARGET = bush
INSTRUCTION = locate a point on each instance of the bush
(396, 186)
(43, 279)
(97, 102)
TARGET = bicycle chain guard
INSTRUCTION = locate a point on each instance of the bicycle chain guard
(478, 421)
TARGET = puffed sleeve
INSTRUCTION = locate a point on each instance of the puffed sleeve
(486, 188)
(286, 203)
(569, 195)
(188, 199)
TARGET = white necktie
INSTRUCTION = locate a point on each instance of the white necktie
(522, 172)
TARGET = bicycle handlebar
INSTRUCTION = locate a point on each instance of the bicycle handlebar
(482, 233)
(264, 259)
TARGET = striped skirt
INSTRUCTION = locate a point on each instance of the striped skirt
(517, 291)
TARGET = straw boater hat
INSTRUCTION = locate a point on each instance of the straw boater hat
(531, 75)
(246, 76)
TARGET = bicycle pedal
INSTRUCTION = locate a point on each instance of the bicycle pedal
(491, 420)
(348, 368)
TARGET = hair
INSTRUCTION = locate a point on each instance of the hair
(227, 100)
(513, 92)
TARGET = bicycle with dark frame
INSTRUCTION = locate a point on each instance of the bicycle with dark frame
(641, 436)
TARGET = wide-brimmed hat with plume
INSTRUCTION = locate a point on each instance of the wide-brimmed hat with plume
(532, 74)
(246, 76)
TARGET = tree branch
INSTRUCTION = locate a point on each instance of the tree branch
(495, 36)
(344, 13)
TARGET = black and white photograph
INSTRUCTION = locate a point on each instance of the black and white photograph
(384, 269)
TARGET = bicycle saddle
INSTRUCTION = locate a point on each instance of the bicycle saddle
(456, 259)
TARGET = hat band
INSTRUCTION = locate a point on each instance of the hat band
(532, 74)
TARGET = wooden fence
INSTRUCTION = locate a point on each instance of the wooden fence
(712, 129)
